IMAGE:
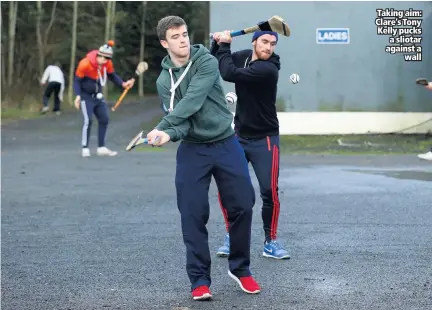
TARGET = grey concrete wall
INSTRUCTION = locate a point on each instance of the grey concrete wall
(358, 76)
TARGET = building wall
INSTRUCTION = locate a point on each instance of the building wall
(359, 76)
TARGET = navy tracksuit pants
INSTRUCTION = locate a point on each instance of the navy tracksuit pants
(52, 87)
(89, 105)
(264, 156)
(226, 162)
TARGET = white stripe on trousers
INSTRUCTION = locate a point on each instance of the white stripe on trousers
(86, 123)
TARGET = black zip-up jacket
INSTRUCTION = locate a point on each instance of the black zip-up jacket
(256, 89)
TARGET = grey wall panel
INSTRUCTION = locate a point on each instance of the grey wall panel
(358, 76)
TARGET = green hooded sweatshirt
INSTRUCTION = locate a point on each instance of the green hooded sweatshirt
(200, 113)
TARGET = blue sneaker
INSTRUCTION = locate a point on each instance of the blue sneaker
(273, 249)
(224, 250)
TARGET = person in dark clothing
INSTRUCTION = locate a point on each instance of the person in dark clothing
(190, 89)
(255, 74)
(90, 76)
(54, 79)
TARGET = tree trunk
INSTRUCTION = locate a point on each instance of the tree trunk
(108, 19)
(39, 38)
(50, 24)
(73, 52)
(113, 20)
(206, 27)
(142, 48)
(13, 8)
(3, 60)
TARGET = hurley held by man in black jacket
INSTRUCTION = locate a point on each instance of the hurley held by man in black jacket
(255, 73)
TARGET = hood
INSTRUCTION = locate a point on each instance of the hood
(196, 51)
(274, 59)
(91, 56)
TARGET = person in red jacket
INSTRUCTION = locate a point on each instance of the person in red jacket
(90, 76)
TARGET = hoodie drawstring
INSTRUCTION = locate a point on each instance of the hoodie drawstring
(245, 65)
(102, 81)
(175, 85)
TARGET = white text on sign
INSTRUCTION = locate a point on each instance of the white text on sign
(332, 36)
(404, 29)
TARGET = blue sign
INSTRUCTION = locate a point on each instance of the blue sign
(332, 36)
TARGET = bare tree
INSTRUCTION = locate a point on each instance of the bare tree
(39, 37)
(206, 22)
(142, 47)
(28, 39)
(13, 9)
(109, 30)
(42, 40)
(113, 20)
(3, 57)
(108, 21)
(50, 24)
(73, 51)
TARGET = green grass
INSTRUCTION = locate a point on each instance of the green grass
(355, 144)
(29, 110)
(17, 114)
(150, 149)
(19, 107)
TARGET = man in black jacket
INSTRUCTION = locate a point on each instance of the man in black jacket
(255, 74)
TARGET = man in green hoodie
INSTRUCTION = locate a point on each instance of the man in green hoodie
(189, 87)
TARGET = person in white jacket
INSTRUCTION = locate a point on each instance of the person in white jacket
(428, 155)
(54, 79)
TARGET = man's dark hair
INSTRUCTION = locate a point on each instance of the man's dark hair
(166, 23)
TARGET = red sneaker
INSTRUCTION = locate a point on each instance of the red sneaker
(201, 293)
(247, 284)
